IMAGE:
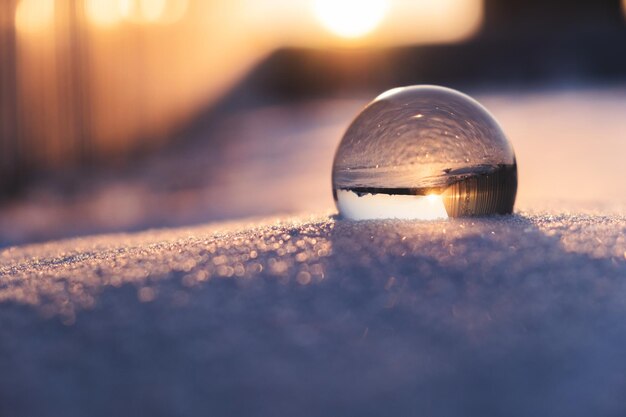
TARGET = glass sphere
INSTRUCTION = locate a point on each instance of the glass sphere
(424, 152)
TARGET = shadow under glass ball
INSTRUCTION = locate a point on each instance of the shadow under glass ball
(424, 152)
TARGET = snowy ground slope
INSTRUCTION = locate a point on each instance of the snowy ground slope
(517, 315)
(570, 146)
(311, 315)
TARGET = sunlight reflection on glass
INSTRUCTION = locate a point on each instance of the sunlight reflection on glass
(350, 18)
(34, 15)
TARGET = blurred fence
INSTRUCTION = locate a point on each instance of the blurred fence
(93, 79)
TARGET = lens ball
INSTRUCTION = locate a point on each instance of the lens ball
(424, 152)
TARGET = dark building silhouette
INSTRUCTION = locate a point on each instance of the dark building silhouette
(522, 43)
(528, 18)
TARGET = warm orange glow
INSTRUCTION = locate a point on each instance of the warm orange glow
(34, 15)
(121, 76)
(350, 18)
(103, 12)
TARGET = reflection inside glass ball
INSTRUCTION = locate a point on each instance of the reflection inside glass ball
(424, 152)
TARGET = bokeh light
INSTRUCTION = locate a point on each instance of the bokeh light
(103, 12)
(174, 11)
(34, 15)
(141, 11)
(112, 12)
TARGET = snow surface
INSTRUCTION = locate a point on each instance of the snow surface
(520, 315)
(517, 315)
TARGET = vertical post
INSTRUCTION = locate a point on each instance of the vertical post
(9, 126)
(79, 70)
(71, 50)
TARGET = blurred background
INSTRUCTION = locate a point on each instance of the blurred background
(121, 115)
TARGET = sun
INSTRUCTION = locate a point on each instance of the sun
(350, 18)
